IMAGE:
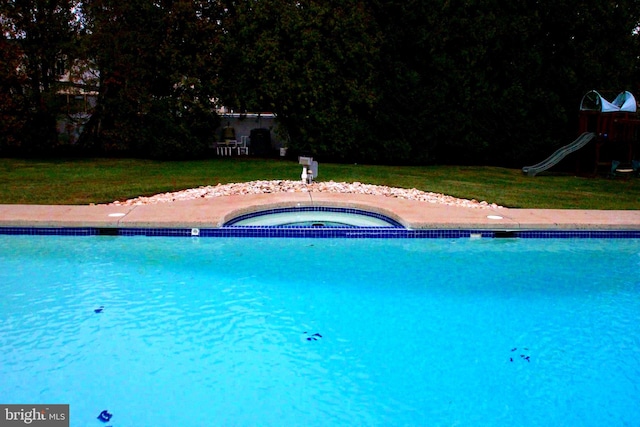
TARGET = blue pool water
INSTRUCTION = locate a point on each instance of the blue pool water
(410, 332)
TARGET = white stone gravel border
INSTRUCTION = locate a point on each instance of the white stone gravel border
(284, 186)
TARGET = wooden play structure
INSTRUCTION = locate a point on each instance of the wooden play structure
(616, 126)
(608, 138)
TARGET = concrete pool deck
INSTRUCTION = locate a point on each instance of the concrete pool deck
(213, 212)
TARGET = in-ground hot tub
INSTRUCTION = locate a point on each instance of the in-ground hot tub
(314, 216)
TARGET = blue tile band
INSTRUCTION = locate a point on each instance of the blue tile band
(309, 232)
(50, 231)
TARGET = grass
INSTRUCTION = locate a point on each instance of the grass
(84, 181)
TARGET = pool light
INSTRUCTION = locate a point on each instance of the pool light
(494, 217)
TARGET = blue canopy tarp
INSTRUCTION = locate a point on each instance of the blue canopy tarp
(593, 101)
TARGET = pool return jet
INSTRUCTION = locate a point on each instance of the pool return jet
(309, 169)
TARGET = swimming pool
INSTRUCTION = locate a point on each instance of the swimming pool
(323, 332)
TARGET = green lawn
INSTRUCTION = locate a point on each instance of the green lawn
(84, 181)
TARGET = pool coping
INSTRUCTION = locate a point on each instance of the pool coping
(212, 213)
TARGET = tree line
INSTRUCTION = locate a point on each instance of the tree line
(379, 81)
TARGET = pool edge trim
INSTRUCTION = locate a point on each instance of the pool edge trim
(305, 232)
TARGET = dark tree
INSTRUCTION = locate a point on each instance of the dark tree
(38, 36)
(157, 64)
(14, 106)
(384, 81)
(310, 62)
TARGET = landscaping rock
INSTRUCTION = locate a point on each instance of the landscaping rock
(281, 186)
